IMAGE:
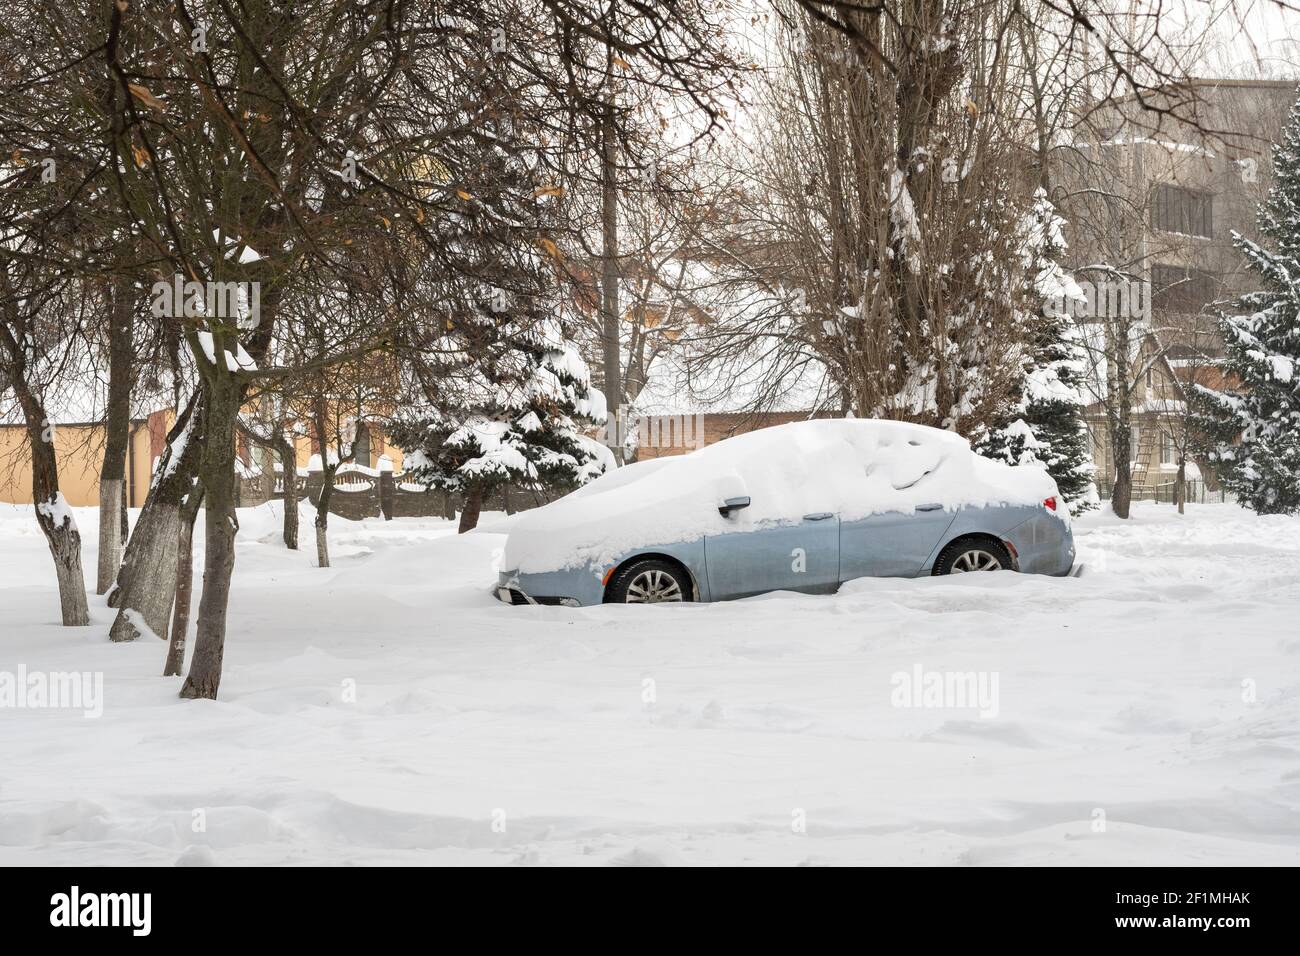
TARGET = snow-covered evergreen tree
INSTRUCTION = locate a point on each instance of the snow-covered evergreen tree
(519, 421)
(1262, 339)
(1045, 427)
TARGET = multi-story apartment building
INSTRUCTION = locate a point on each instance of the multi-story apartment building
(1154, 194)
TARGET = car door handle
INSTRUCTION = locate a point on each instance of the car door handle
(819, 516)
(933, 506)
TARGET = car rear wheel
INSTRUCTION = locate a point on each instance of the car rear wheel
(972, 555)
(649, 582)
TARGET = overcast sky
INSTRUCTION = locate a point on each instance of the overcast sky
(1246, 38)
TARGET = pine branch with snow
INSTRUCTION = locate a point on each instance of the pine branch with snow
(1254, 427)
(1044, 428)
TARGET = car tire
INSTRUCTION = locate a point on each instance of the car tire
(650, 581)
(973, 554)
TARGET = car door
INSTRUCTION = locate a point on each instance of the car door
(892, 543)
(795, 556)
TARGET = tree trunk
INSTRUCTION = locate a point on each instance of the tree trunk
(217, 472)
(612, 351)
(65, 547)
(323, 517)
(289, 469)
(326, 487)
(117, 435)
(175, 665)
(268, 473)
(56, 520)
(1120, 332)
(1119, 408)
(146, 583)
(1180, 485)
(110, 530)
(52, 511)
(1121, 495)
(322, 543)
(473, 506)
(147, 599)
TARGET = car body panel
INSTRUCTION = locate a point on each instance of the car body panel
(1044, 544)
(585, 584)
(1039, 539)
(892, 544)
(786, 557)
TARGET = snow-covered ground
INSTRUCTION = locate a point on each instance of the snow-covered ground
(387, 710)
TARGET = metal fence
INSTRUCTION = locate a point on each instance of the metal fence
(1197, 493)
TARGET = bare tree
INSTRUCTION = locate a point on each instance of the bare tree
(884, 209)
(32, 345)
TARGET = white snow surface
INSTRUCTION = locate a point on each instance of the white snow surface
(691, 734)
(852, 467)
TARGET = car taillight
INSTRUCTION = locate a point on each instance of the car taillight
(1050, 503)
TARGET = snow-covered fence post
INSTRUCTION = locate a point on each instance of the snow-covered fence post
(386, 487)
(315, 479)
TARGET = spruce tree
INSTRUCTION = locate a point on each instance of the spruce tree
(518, 419)
(1044, 426)
(1253, 428)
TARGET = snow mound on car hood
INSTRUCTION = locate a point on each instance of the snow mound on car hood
(851, 467)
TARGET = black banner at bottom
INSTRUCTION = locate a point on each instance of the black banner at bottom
(1165, 906)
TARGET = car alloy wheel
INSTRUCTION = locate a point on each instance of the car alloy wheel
(975, 559)
(653, 586)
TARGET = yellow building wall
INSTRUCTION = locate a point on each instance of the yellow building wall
(139, 462)
(79, 450)
(80, 453)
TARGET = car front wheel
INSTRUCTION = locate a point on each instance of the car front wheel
(649, 582)
(962, 556)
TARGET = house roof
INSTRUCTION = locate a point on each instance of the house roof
(1177, 86)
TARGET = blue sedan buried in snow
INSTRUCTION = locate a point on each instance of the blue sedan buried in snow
(799, 507)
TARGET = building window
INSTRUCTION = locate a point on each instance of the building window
(1166, 448)
(1186, 211)
(1179, 289)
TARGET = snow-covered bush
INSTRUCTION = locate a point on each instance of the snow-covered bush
(1044, 427)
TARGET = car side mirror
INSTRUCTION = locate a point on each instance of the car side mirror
(733, 504)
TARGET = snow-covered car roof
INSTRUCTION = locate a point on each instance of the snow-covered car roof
(852, 467)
